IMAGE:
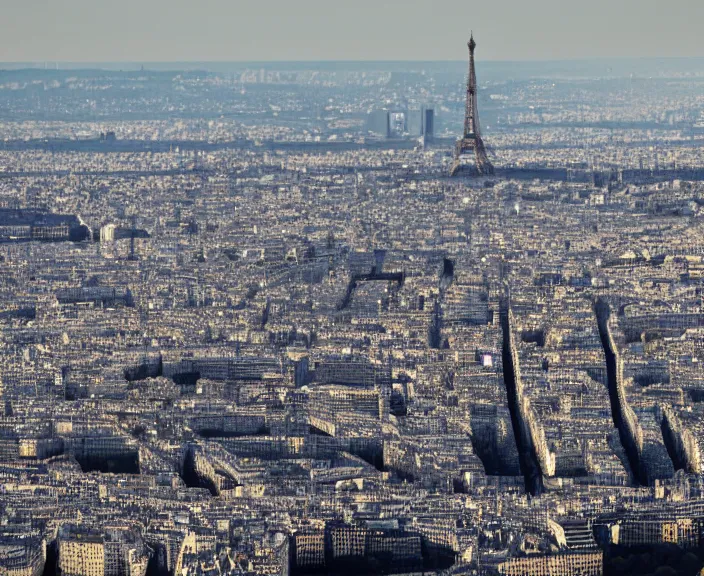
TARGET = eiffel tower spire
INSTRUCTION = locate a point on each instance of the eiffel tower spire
(471, 141)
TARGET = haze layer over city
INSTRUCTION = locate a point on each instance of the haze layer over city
(427, 300)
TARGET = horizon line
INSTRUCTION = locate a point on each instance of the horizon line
(348, 60)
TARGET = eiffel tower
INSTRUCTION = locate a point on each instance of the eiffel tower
(471, 141)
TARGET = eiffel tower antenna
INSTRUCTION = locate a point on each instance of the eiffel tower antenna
(471, 141)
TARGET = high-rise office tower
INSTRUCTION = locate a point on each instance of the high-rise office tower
(428, 123)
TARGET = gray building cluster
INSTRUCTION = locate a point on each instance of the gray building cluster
(284, 345)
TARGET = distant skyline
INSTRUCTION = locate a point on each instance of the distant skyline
(300, 30)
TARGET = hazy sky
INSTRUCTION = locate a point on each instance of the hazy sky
(197, 30)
